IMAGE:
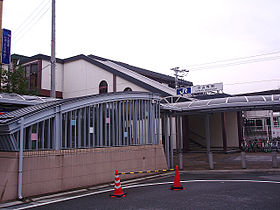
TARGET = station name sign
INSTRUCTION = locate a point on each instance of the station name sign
(198, 89)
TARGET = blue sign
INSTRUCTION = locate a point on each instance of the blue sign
(182, 91)
(6, 46)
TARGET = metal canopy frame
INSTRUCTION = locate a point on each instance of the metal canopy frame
(113, 119)
(238, 103)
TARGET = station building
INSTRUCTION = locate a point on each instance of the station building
(87, 75)
(111, 116)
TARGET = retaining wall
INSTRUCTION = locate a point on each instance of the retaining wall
(53, 171)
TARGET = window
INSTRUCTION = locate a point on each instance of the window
(127, 89)
(31, 74)
(34, 76)
(103, 87)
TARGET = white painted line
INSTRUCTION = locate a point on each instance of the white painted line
(142, 185)
(64, 199)
(59, 194)
(242, 180)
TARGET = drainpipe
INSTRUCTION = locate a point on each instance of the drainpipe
(20, 159)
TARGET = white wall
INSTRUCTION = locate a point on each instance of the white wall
(83, 78)
(122, 84)
(46, 76)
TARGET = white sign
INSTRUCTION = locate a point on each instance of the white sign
(207, 88)
(90, 129)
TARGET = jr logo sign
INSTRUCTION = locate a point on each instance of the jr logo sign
(182, 91)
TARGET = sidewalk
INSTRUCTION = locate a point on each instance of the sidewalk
(231, 161)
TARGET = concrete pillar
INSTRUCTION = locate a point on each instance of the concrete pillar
(274, 159)
(167, 150)
(224, 131)
(180, 143)
(58, 129)
(171, 141)
(243, 160)
(271, 123)
(240, 128)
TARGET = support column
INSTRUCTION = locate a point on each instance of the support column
(208, 143)
(224, 131)
(185, 127)
(58, 129)
(166, 140)
(243, 159)
(274, 159)
(180, 143)
(271, 123)
(171, 141)
(162, 130)
(20, 159)
(240, 127)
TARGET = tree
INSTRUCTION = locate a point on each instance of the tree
(14, 81)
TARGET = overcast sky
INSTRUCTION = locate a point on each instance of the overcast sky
(160, 34)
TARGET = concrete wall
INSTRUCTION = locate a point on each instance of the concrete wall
(232, 129)
(216, 130)
(54, 171)
(197, 129)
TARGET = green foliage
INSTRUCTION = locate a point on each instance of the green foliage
(14, 81)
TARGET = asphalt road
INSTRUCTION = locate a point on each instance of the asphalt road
(202, 191)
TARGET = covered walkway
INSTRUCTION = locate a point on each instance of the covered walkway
(212, 122)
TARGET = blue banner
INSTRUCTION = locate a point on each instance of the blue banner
(6, 46)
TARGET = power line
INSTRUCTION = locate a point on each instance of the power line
(240, 83)
(31, 17)
(23, 34)
(236, 59)
(235, 63)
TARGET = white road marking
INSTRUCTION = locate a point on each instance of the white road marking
(141, 185)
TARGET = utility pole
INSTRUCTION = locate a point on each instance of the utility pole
(179, 73)
(1, 14)
(53, 61)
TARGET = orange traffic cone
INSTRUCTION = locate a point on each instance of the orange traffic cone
(177, 185)
(118, 193)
